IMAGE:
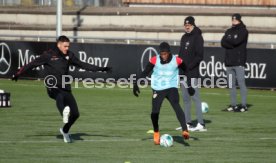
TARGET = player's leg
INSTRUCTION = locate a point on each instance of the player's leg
(74, 111)
(70, 103)
(196, 98)
(63, 108)
(58, 96)
(243, 90)
(173, 98)
(187, 104)
(157, 100)
(231, 77)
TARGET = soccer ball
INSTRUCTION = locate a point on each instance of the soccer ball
(204, 107)
(166, 140)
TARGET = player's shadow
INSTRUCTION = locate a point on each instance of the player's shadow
(74, 136)
(78, 136)
(248, 105)
(180, 140)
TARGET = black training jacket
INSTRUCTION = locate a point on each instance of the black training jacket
(57, 64)
(191, 52)
(234, 42)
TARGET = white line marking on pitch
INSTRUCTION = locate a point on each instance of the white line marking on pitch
(106, 140)
(267, 138)
(55, 141)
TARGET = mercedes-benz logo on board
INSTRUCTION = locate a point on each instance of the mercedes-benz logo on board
(147, 55)
(5, 58)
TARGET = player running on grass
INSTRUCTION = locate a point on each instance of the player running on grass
(164, 82)
(56, 63)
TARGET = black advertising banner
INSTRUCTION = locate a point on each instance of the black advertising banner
(130, 59)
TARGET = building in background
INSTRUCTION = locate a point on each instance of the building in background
(68, 3)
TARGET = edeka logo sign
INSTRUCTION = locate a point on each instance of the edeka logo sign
(214, 68)
(146, 56)
(5, 58)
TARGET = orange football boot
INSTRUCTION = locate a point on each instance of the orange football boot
(186, 134)
(156, 138)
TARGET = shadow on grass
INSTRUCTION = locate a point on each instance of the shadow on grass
(180, 140)
(78, 136)
(74, 136)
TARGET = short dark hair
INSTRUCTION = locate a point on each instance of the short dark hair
(63, 39)
(164, 47)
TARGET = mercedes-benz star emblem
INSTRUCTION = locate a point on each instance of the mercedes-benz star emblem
(5, 58)
(146, 56)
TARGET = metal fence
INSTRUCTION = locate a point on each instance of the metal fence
(66, 3)
(123, 40)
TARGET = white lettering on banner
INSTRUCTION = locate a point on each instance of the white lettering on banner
(255, 71)
(217, 68)
(105, 62)
(25, 58)
(212, 68)
(262, 73)
(72, 68)
(83, 57)
(97, 61)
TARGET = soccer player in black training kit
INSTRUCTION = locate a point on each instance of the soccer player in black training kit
(56, 63)
(164, 82)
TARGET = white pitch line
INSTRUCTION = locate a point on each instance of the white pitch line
(267, 138)
(57, 141)
(121, 140)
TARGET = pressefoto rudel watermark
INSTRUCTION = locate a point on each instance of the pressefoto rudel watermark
(51, 81)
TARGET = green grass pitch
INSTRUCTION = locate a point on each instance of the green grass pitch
(113, 124)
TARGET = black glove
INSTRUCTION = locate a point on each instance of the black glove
(191, 91)
(14, 77)
(107, 69)
(136, 90)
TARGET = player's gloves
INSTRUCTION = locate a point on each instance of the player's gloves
(14, 77)
(191, 91)
(107, 69)
(136, 90)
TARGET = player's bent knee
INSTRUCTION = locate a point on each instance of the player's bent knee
(75, 115)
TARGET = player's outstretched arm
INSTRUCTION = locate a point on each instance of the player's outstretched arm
(76, 62)
(145, 73)
(44, 58)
